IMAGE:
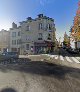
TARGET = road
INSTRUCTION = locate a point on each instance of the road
(57, 75)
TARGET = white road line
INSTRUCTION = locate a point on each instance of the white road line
(61, 58)
(68, 59)
(48, 55)
(56, 56)
(52, 56)
(75, 60)
(78, 58)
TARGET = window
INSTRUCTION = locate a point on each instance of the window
(49, 36)
(19, 33)
(27, 46)
(40, 36)
(49, 26)
(19, 41)
(13, 34)
(27, 38)
(40, 26)
(13, 42)
(28, 28)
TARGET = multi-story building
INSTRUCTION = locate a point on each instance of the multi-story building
(15, 38)
(4, 40)
(38, 35)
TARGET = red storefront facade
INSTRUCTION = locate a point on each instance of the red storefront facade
(43, 47)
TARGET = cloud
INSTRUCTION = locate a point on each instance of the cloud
(44, 2)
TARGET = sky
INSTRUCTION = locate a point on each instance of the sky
(62, 11)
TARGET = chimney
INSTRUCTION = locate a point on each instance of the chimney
(14, 25)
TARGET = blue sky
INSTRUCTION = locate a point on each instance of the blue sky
(63, 12)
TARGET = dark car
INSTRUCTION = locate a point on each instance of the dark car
(73, 51)
(68, 48)
(64, 47)
(9, 55)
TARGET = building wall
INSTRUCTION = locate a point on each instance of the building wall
(32, 35)
(15, 46)
(4, 40)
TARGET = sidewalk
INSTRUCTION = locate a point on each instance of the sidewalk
(27, 56)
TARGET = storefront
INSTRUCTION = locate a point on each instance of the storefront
(44, 47)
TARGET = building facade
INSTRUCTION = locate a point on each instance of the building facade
(4, 40)
(36, 35)
(15, 38)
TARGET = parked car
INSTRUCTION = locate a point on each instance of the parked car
(68, 48)
(9, 55)
(64, 47)
(73, 51)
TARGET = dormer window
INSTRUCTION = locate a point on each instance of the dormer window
(40, 15)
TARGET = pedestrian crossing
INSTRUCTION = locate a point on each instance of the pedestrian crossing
(56, 57)
(66, 58)
(61, 58)
(75, 60)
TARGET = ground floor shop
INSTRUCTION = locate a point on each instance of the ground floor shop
(35, 48)
(4, 49)
(44, 47)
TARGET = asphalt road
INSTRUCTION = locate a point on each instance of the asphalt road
(39, 76)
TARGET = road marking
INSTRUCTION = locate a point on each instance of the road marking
(52, 56)
(48, 55)
(78, 58)
(68, 59)
(75, 60)
(56, 56)
(61, 58)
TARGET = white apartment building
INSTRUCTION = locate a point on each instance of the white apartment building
(4, 40)
(15, 38)
(36, 35)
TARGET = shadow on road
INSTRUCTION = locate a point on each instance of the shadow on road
(43, 68)
(8, 90)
